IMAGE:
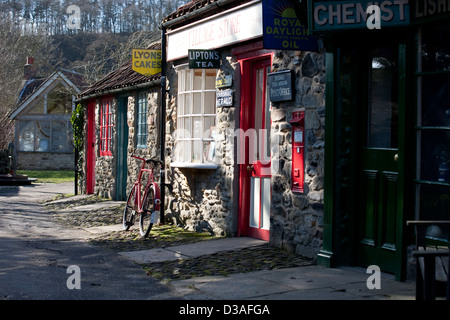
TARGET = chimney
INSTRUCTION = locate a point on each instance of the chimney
(29, 69)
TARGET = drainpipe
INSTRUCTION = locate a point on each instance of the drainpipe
(163, 123)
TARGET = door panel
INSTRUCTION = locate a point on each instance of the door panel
(379, 194)
(255, 179)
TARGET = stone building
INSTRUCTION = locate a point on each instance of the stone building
(229, 146)
(43, 132)
(121, 119)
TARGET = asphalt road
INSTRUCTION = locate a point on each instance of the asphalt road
(36, 253)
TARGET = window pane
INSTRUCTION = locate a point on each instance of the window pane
(436, 100)
(198, 79)
(59, 101)
(436, 48)
(197, 151)
(434, 155)
(197, 127)
(208, 125)
(43, 135)
(383, 104)
(210, 79)
(38, 108)
(197, 106)
(26, 135)
(59, 136)
(210, 103)
(189, 81)
(437, 198)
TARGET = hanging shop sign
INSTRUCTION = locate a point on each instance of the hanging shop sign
(339, 15)
(239, 24)
(203, 59)
(224, 98)
(280, 86)
(282, 28)
(146, 62)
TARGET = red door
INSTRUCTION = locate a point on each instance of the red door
(255, 176)
(90, 148)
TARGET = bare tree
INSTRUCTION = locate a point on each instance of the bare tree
(14, 48)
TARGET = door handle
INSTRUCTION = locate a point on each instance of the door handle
(396, 157)
(250, 168)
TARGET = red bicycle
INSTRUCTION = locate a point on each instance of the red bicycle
(146, 204)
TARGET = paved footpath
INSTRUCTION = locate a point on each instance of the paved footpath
(35, 254)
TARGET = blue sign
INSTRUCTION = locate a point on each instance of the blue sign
(282, 28)
(334, 15)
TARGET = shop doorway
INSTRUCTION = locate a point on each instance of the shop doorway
(379, 211)
(255, 167)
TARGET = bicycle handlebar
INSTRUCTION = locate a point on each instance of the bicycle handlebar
(154, 161)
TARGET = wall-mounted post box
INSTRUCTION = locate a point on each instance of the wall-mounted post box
(298, 150)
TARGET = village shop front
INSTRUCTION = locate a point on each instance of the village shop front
(232, 107)
(388, 127)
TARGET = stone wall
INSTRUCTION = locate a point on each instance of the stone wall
(297, 218)
(153, 141)
(106, 166)
(45, 161)
(205, 199)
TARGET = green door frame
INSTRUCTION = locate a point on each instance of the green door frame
(341, 158)
(122, 148)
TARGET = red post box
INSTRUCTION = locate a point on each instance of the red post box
(298, 151)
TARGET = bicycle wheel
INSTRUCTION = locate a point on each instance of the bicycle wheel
(130, 210)
(145, 220)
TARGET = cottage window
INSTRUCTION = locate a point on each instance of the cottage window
(142, 127)
(106, 127)
(196, 117)
(45, 136)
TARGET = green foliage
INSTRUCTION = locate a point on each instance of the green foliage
(78, 126)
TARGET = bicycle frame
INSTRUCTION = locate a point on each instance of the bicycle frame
(150, 182)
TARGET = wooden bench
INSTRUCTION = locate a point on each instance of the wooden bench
(433, 262)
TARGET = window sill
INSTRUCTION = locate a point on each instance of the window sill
(210, 166)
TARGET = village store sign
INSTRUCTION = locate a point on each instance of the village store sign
(239, 24)
(336, 15)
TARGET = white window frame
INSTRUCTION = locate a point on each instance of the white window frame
(189, 140)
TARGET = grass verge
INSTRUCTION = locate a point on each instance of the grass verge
(49, 176)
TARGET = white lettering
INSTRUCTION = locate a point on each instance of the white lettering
(374, 19)
(74, 281)
(374, 281)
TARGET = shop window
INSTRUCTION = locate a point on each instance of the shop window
(106, 127)
(45, 136)
(196, 117)
(142, 127)
(433, 125)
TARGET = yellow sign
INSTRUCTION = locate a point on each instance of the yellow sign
(147, 62)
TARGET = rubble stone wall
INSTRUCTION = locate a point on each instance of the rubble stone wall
(297, 218)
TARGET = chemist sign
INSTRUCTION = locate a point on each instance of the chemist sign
(335, 15)
(147, 62)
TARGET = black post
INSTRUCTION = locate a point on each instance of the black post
(76, 170)
(163, 123)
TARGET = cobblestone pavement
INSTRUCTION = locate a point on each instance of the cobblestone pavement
(263, 257)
